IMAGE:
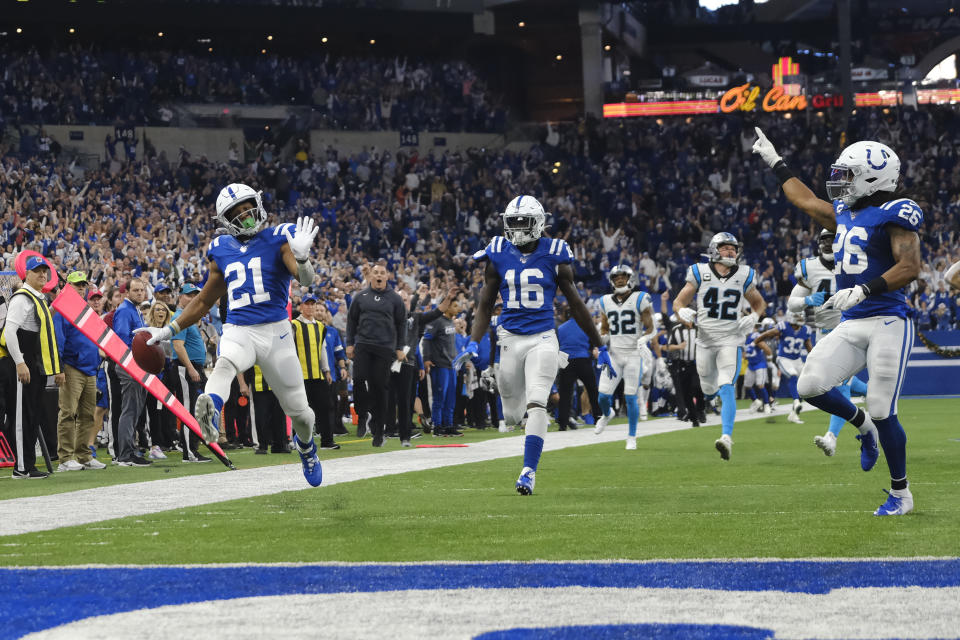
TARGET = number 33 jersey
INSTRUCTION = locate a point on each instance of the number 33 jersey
(258, 283)
(718, 303)
(862, 252)
(528, 282)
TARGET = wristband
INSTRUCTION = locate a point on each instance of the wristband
(875, 287)
(174, 327)
(782, 172)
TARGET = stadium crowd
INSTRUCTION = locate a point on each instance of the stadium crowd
(87, 85)
(649, 193)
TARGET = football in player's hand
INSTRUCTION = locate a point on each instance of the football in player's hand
(150, 357)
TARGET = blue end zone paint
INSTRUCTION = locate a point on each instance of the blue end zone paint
(622, 631)
(36, 599)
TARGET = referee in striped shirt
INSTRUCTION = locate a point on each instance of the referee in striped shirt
(308, 336)
(681, 352)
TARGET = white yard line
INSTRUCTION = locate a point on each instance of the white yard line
(43, 513)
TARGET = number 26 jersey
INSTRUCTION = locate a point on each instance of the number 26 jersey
(258, 283)
(719, 300)
(528, 282)
(862, 252)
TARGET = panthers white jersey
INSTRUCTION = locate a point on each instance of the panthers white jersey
(623, 320)
(816, 276)
(718, 303)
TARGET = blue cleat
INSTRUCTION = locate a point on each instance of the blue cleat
(899, 502)
(311, 463)
(525, 482)
(869, 452)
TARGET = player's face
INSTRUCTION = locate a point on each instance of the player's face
(620, 280)
(727, 251)
(243, 214)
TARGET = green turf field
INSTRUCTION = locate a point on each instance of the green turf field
(779, 496)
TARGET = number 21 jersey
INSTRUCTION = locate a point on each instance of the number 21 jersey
(528, 282)
(258, 282)
(719, 302)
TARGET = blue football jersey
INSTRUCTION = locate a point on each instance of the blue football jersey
(862, 252)
(756, 358)
(528, 282)
(792, 340)
(258, 283)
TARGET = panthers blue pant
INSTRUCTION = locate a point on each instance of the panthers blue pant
(444, 383)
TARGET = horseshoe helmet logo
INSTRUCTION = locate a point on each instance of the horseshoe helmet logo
(883, 153)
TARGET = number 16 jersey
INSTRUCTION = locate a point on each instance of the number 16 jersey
(528, 282)
(718, 303)
(258, 283)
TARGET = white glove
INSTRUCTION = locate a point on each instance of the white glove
(745, 324)
(686, 314)
(765, 149)
(161, 334)
(564, 359)
(395, 367)
(644, 339)
(302, 239)
(846, 298)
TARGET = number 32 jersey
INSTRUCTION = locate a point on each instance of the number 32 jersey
(258, 283)
(862, 252)
(528, 282)
(719, 302)
(623, 320)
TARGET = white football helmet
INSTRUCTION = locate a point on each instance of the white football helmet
(768, 323)
(713, 250)
(523, 220)
(796, 317)
(862, 169)
(622, 269)
(825, 242)
(244, 220)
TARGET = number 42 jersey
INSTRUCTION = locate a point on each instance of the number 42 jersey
(719, 302)
(258, 283)
(528, 282)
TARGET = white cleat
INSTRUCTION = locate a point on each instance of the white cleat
(643, 417)
(724, 445)
(899, 503)
(603, 422)
(207, 414)
(827, 442)
(794, 418)
(767, 409)
(503, 428)
(757, 405)
(631, 443)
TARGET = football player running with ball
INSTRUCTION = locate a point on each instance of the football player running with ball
(253, 265)
(624, 311)
(719, 288)
(527, 270)
(877, 253)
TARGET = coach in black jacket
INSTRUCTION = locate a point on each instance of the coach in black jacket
(375, 338)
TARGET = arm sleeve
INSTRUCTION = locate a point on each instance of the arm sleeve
(399, 322)
(693, 275)
(13, 341)
(324, 360)
(796, 301)
(427, 342)
(59, 329)
(121, 325)
(353, 316)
